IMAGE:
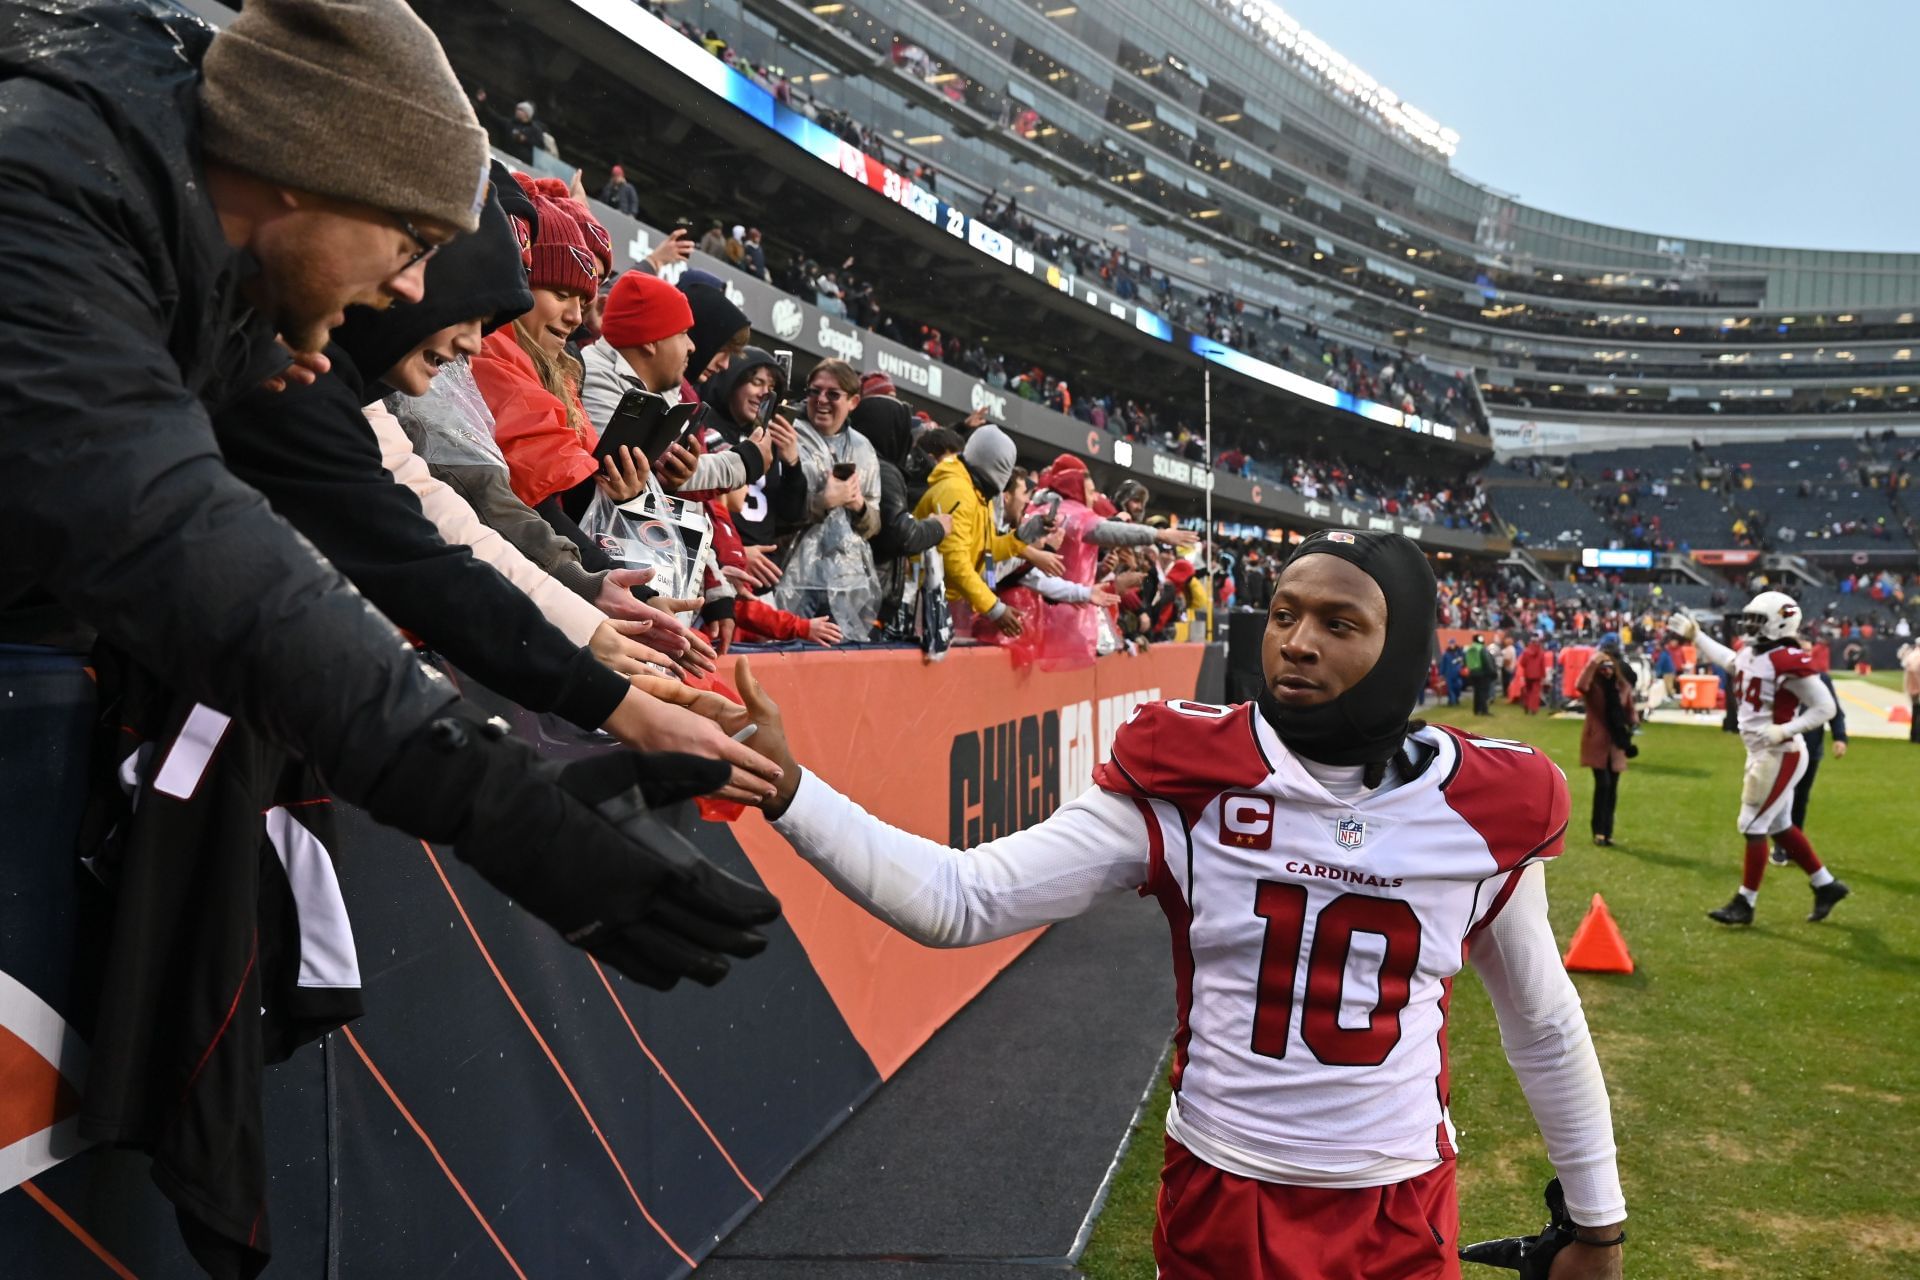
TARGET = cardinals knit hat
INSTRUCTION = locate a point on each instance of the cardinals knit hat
(643, 308)
(558, 258)
(518, 205)
(352, 99)
(599, 242)
(877, 384)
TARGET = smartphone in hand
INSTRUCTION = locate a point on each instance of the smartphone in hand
(844, 470)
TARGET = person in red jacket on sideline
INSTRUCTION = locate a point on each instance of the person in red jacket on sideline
(1533, 674)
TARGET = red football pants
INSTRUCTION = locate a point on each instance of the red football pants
(1219, 1226)
(1530, 694)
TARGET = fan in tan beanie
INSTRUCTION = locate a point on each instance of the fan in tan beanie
(339, 152)
(346, 98)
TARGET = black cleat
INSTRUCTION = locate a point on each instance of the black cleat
(1778, 857)
(1825, 896)
(1738, 910)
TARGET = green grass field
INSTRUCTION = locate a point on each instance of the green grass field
(1765, 1081)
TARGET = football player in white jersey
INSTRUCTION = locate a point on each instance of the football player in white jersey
(1326, 867)
(1778, 695)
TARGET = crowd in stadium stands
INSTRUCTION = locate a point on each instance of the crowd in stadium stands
(838, 291)
(1504, 599)
(839, 515)
(1786, 495)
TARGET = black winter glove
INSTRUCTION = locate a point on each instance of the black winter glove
(1531, 1256)
(579, 846)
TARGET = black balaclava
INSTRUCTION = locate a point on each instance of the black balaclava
(1367, 724)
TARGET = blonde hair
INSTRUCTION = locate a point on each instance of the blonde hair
(558, 375)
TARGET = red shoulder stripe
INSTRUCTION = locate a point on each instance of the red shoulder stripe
(1185, 753)
(1512, 795)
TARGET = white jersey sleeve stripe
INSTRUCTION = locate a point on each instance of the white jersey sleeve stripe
(943, 897)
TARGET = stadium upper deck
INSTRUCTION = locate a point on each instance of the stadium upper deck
(1235, 155)
(1331, 221)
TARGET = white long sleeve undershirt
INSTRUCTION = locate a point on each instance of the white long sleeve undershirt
(1095, 845)
(1816, 704)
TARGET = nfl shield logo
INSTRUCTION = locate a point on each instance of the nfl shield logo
(1351, 833)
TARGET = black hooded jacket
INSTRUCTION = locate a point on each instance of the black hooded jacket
(887, 424)
(311, 452)
(120, 323)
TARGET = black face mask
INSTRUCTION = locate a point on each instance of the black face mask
(1368, 723)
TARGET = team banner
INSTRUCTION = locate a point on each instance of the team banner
(990, 752)
(506, 1106)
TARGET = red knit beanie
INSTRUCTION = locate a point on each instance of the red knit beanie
(877, 384)
(599, 242)
(558, 258)
(643, 308)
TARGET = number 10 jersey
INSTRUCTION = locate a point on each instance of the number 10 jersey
(1315, 940)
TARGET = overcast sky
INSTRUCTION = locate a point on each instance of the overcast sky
(1758, 122)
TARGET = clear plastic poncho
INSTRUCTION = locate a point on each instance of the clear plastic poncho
(450, 425)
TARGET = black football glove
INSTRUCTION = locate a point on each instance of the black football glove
(1531, 1256)
(579, 846)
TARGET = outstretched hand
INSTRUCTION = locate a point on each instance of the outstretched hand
(616, 598)
(1045, 561)
(619, 646)
(770, 739)
(697, 729)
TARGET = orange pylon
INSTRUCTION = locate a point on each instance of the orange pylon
(1899, 715)
(1597, 946)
